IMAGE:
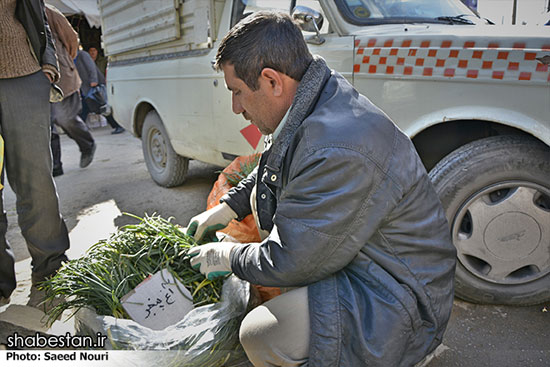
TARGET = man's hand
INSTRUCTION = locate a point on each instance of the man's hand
(49, 76)
(212, 259)
(93, 85)
(51, 73)
(203, 227)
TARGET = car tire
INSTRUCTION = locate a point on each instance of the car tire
(166, 167)
(496, 196)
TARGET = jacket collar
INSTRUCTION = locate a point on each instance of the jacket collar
(306, 96)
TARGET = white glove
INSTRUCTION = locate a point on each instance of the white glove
(212, 259)
(203, 227)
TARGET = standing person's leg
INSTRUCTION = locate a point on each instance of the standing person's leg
(276, 333)
(65, 114)
(85, 110)
(56, 152)
(114, 124)
(28, 162)
(7, 259)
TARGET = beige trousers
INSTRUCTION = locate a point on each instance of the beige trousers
(276, 333)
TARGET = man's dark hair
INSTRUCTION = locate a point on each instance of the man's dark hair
(264, 40)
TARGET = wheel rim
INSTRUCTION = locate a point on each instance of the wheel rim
(157, 149)
(502, 235)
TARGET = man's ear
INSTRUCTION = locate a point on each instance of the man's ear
(274, 80)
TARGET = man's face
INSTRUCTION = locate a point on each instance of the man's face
(93, 52)
(254, 105)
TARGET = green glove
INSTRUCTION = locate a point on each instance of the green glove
(212, 259)
(203, 227)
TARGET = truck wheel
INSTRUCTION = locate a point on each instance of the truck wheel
(165, 166)
(496, 195)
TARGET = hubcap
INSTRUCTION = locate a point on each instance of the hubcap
(157, 149)
(502, 233)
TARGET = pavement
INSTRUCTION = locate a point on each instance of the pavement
(93, 200)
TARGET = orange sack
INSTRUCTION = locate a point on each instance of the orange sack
(246, 230)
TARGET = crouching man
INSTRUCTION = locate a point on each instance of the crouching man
(356, 230)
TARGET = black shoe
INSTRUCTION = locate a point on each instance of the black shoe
(118, 130)
(87, 158)
(57, 171)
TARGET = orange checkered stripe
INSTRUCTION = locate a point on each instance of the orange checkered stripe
(451, 59)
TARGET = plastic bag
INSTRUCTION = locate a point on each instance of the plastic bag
(56, 94)
(96, 99)
(207, 336)
(246, 230)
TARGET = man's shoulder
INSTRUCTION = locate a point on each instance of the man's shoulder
(84, 57)
(349, 120)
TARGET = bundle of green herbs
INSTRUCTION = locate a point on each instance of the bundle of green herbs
(111, 268)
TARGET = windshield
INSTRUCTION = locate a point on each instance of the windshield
(406, 11)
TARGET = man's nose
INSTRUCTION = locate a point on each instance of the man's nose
(237, 107)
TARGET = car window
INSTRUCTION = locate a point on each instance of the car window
(243, 8)
(392, 11)
(259, 5)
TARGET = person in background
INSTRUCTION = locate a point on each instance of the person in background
(28, 66)
(357, 237)
(91, 76)
(65, 113)
(100, 61)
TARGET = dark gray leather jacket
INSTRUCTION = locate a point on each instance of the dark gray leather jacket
(354, 217)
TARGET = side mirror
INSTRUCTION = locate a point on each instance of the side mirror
(309, 20)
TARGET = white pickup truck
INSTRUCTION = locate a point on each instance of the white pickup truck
(474, 98)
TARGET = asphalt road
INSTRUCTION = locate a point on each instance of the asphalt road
(94, 199)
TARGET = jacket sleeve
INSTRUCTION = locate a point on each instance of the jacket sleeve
(49, 56)
(238, 198)
(325, 215)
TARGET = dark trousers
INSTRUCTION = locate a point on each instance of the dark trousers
(56, 149)
(110, 119)
(25, 127)
(65, 115)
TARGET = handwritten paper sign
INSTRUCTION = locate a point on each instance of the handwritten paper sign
(159, 301)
